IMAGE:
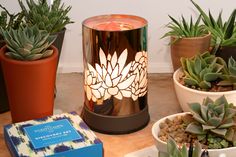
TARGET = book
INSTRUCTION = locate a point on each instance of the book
(63, 135)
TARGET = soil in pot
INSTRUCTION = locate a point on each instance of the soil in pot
(176, 129)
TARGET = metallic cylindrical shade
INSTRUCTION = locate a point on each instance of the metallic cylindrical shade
(115, 73)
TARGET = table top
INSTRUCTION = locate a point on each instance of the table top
(161, 99)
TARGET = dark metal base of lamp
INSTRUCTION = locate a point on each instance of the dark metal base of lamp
(116, 124)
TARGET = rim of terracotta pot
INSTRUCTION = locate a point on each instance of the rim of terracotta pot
(156, 130)
(176, 81)
(35, 62)
(194, 38)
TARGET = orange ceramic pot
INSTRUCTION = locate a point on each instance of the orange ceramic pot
(30, 86)
(188, 47)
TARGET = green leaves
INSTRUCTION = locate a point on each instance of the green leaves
(223, 33)
(174, 151)
(28, 43)
(201, 70)
(182, 28)
(212, 117)
(50, 18)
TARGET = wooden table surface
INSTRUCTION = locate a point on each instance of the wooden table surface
(161, 99)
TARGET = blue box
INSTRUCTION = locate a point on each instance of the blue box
(64, 135)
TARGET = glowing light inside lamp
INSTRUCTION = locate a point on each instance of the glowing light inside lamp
(113, 78)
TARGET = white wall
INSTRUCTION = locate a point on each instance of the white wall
(155, 11)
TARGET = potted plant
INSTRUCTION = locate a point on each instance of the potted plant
(204, 75)
(29, 68)
(7, 20)
(187, 39)
(211, 123)
(223, 33)
(52, 18)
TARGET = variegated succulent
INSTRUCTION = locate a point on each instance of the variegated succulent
(174, 151)
(202, 69)
(28, 43)
(230, 77)
(213, 117)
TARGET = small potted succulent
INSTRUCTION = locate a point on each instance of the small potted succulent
(187, 39)
(29, 66)
(204, 75)
(7, 20)
(212, 123)
(50, 17)
(223, 33)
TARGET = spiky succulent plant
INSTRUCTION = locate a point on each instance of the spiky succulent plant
(230, 76)
(51, 18)
(174, 151)
(28, 43)
(202, 69)
(213, 117)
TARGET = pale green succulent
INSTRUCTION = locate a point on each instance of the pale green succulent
(28, 43)
(202, 69)
(213, 117)
(174, 151)
(52, 18)
(230, 76)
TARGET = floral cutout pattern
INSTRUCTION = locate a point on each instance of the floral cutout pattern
(113, 78)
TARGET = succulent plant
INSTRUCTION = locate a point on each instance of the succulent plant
(51, 18)
(213, 117)
(230, 76)
(28, 43)
(202, 69)
(174, 151)
(223, 33)
(183, 29)
(8, 20)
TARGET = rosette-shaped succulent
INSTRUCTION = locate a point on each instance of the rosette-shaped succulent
(230, 77)
(28, 43)
(213, 117)
(202, 69)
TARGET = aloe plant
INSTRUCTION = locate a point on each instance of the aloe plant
(174, 151)
(223, 33)
(27, 43)
(213, 118)
(183, 29)
(201, 70)
(50, 18)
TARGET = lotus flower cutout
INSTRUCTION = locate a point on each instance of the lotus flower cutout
(113, 78)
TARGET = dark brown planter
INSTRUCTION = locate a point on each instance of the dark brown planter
(59, 41)
(226, 52)
(4, 106)
(188, 47)
(30, 86)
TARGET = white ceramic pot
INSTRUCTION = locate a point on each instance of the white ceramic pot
(187, 95)
(162, 146)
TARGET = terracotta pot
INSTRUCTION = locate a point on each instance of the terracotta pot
(162, 146)
(188, 47)
(187, 95)
(226, 52)
(30, 86)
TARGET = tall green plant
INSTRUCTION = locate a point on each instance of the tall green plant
(50, 18)
(223, 33)
(184, 29)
